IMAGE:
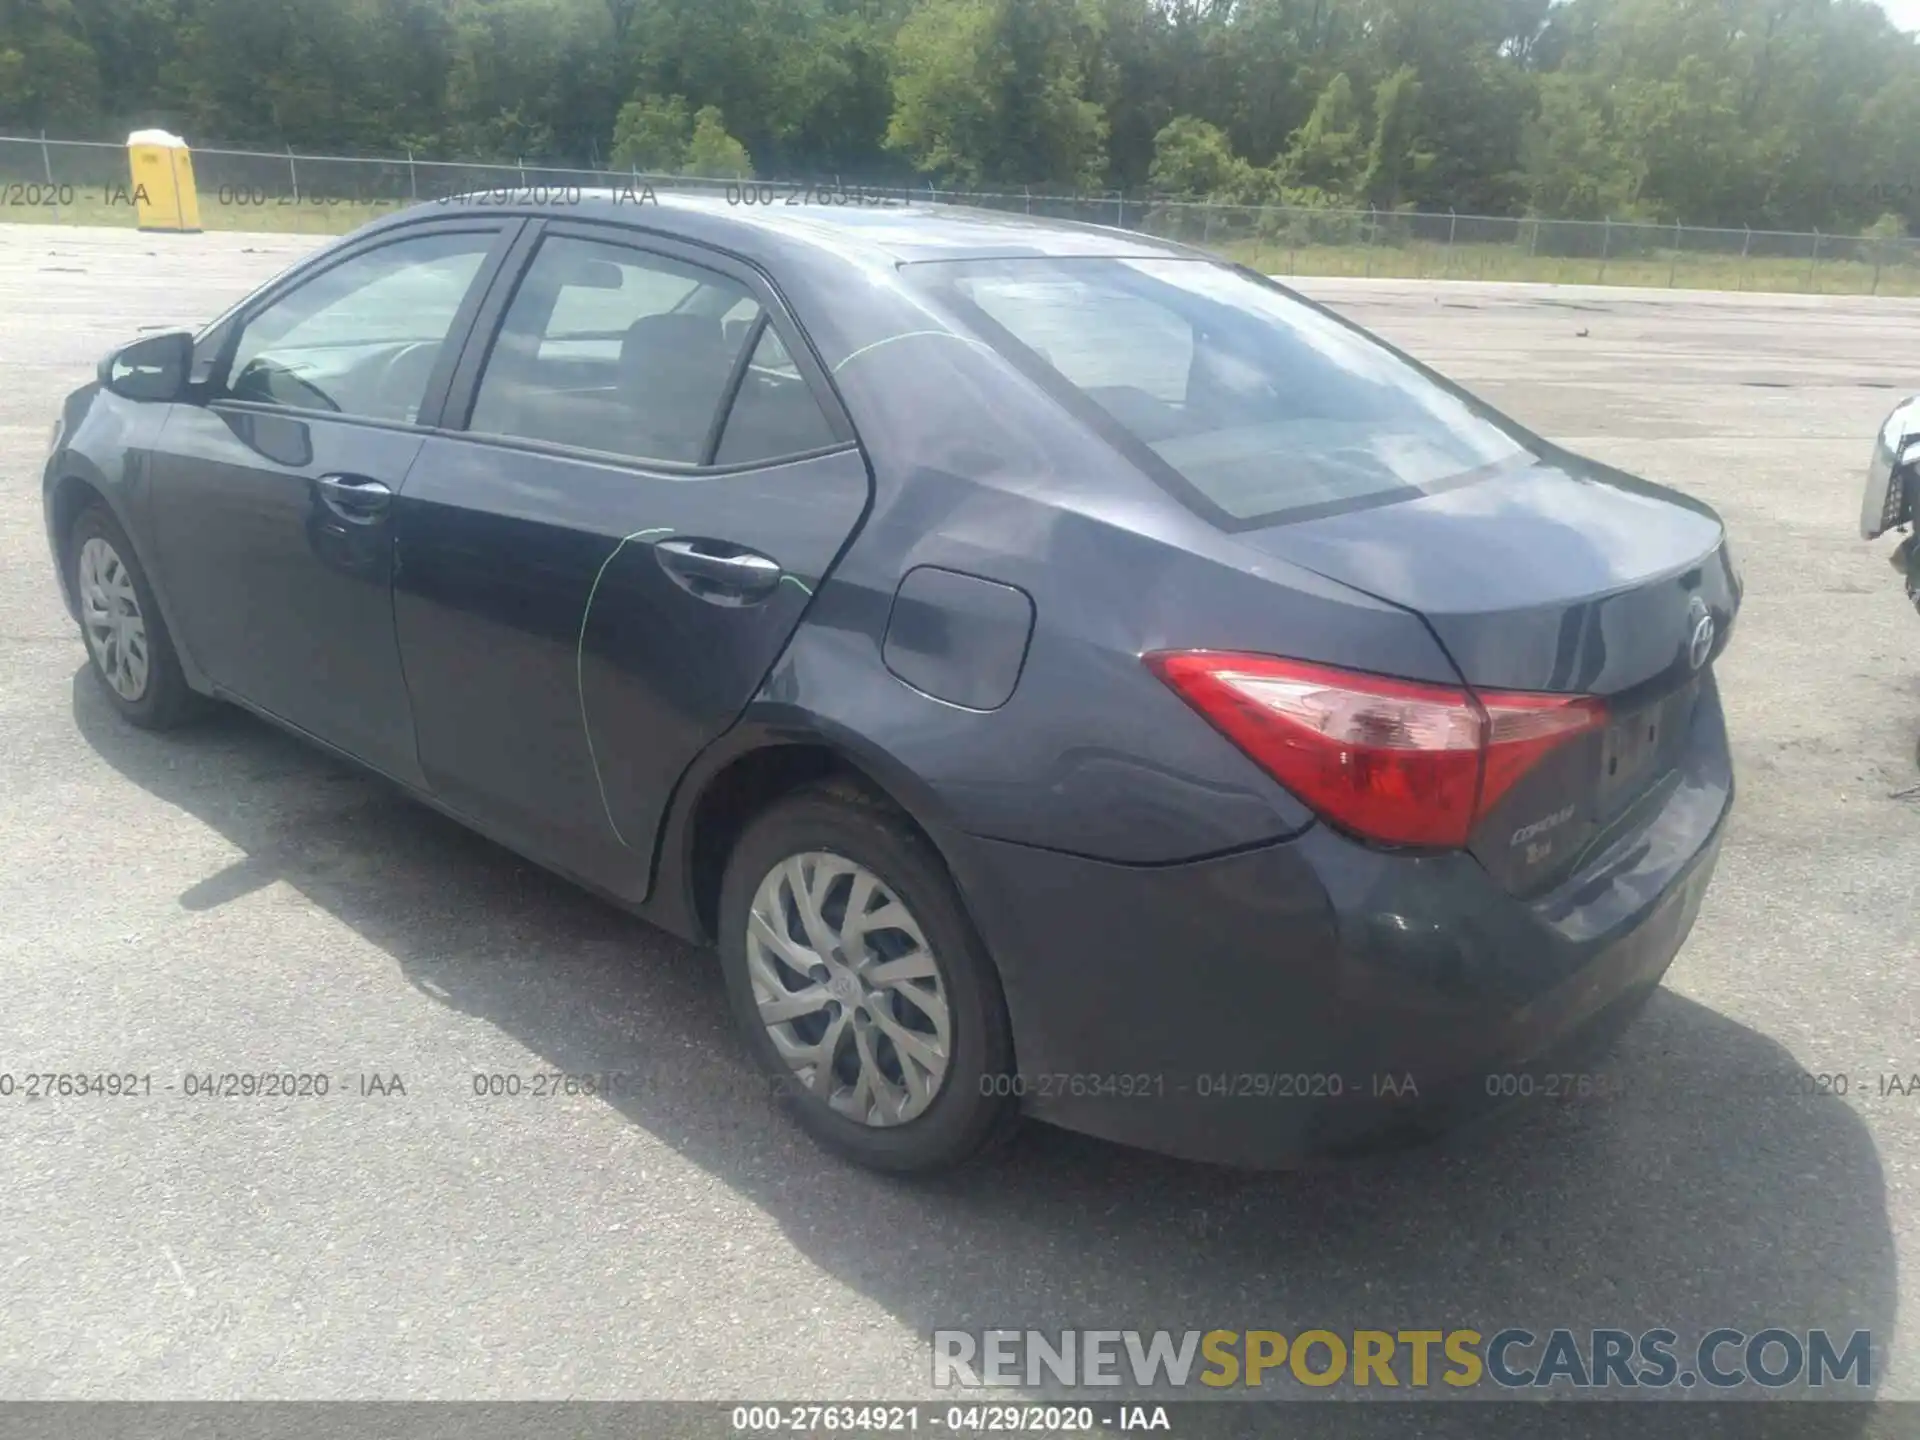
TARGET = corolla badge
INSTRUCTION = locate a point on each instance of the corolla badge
(1700, 639)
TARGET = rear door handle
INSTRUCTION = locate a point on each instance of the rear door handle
(359, 499)
(717, 571)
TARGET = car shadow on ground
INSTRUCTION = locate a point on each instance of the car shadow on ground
(1709, 1192)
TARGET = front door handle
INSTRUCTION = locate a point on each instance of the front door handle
(717, 571)
(357, 499)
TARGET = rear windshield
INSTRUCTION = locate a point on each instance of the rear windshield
(1257, 406)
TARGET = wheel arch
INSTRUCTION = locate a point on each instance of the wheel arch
(748, 771)
(69, 497)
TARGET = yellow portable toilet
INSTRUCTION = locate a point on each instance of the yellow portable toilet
(163, 193)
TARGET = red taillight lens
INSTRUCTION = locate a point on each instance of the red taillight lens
(1396, 761)
(1522, 729)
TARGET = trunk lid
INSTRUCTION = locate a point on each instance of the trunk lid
(1560, 577)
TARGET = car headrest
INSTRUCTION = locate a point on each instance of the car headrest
(673, 369)
(657, 347)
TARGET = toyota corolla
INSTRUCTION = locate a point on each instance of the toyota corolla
(1063, 673)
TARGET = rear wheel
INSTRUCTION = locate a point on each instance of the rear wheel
(132, 656)
(860, 986)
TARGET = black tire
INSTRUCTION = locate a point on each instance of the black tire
(970, 1112)
(166, 701)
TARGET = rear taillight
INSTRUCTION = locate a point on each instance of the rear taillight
(1396, 761)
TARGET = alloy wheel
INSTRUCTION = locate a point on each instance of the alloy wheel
(849, 990)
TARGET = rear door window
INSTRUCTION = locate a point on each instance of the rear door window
(774, 414)
(610, 348)
(1251, 405)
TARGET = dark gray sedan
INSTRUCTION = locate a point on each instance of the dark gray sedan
(1064, 673)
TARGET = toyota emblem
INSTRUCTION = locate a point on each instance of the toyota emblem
(1700, 642)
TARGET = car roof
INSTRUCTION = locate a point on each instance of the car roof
(869, 225)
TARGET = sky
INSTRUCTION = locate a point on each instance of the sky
(1904, 13)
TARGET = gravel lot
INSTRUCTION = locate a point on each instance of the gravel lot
(226, 900)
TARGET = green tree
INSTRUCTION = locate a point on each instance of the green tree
(1396, 155)
(651, 135)
(990, 90)
(1192, 159)
(712, 152)
(48, 76)
(657, 134)
(527, 77)
(1476, 90)
(1328, 153)
(1577, 167)
(806, 85)
(1887, 227)
(347, 76)
(1887, 173)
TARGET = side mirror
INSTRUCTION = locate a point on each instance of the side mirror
(154, 368)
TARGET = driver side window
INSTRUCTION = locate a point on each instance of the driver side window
(362, 337)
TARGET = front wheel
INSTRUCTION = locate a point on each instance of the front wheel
(1906, 559)
(127, 642)
(860, 985)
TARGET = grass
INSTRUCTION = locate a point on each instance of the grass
(1661, 269)
(1417, 260)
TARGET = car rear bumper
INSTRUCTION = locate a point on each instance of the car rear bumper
(1317, 997)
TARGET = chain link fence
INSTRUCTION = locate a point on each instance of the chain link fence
(87, 182)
